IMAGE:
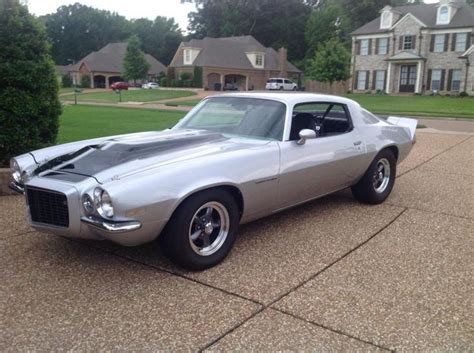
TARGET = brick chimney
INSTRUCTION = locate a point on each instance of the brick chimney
(282, 58)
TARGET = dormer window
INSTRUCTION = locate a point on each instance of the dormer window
(386, 20)
(443, 15)
(187, 57)
(259, 60)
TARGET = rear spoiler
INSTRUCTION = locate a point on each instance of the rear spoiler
(410, 124)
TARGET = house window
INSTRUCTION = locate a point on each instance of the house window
(435, 80)
(408, 42)
(456, 80)
(383, 46)
(259, 60)
(380, 80)
(443, 15)
(439, 43)
(362, 80)
(461, 41)
(386, 20)
(187, 57)
(364, 47)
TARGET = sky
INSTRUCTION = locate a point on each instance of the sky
(128, 8)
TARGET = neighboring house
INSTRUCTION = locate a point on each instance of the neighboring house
(241, 61)
(105, 66)
(416, 49)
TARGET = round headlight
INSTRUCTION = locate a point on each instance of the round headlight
(88, 204)
(16, 171)
(103, 203)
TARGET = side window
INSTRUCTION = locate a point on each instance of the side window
(326, 119)
(287, 81)
(280, 81)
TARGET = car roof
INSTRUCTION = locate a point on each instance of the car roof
(291, 98)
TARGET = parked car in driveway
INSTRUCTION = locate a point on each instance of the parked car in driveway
(281, 84)
(151, 85)
(230, 87)
(120, 86)
(233, 158)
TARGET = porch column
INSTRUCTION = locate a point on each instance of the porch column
(389, 76)
(418, 77)
(246, 83)
(222, 82)
(107, 81)
(92, 80)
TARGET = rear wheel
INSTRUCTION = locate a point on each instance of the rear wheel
(202, 230)
(377, 182)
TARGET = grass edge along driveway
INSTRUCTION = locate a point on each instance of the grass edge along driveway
(132, 95)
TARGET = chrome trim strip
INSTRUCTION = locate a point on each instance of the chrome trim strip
(112, 226)
(17, 187)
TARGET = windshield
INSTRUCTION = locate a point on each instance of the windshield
(246, 117)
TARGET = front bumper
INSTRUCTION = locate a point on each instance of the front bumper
(112, 226)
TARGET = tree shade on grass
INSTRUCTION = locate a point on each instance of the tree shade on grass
(80, 122)
(139, 95)
(29, 105)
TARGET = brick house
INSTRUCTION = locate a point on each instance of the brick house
(105, 66)
(418, 48)
(242, 61)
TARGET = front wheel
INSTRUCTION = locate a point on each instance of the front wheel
(377, 182)
(202, 230)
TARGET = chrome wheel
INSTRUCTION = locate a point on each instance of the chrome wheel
(381, 177)
(209, 228)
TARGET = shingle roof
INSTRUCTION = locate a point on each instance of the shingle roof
(404, 55)
(230, 52)
(110, 59)
(464, 17)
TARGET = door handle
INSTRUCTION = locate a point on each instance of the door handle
(357, 143)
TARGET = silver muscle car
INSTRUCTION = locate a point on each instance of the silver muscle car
(232, 159)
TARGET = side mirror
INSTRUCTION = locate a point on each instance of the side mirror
(306, 134)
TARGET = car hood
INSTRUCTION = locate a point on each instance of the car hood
(115, 157)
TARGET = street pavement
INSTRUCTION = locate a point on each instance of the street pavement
(330, 275)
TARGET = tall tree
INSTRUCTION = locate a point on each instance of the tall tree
(360, 12)
(159, 38)
(273, 23)
(29, 104)
(134, 64)
(76, 30)
(331, 62)
(326, 22)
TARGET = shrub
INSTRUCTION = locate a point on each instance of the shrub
(463, 94)
(197, 77)
(29, 104)
(185, 76)
(163, 82)
(170, 74)
(176, 83)
(85, 81)
(187, 83)
(66, 81)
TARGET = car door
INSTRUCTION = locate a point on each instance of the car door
(330, 162)
(288, 85)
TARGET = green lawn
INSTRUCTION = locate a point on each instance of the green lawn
(80, 122)
(138, 95)
(438, 106)
(66, 90)
(186, 103)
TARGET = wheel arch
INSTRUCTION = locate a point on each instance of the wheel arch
(393, 149)
(233, 190)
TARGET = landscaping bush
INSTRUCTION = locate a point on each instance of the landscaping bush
(29, 104)
(197, 77)
(187, 83)
(170, 74)
(463, 94)
(185, 76)
(164, 82)
(66, 81)
(85, 81)
(176, 83)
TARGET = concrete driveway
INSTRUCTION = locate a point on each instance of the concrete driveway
(330, 275)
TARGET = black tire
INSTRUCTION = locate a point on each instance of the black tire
(176, 240)
(366, 189)
(281, 88)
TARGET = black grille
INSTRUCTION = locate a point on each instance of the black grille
(48, 207)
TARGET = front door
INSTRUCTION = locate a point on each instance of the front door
(407, 78)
